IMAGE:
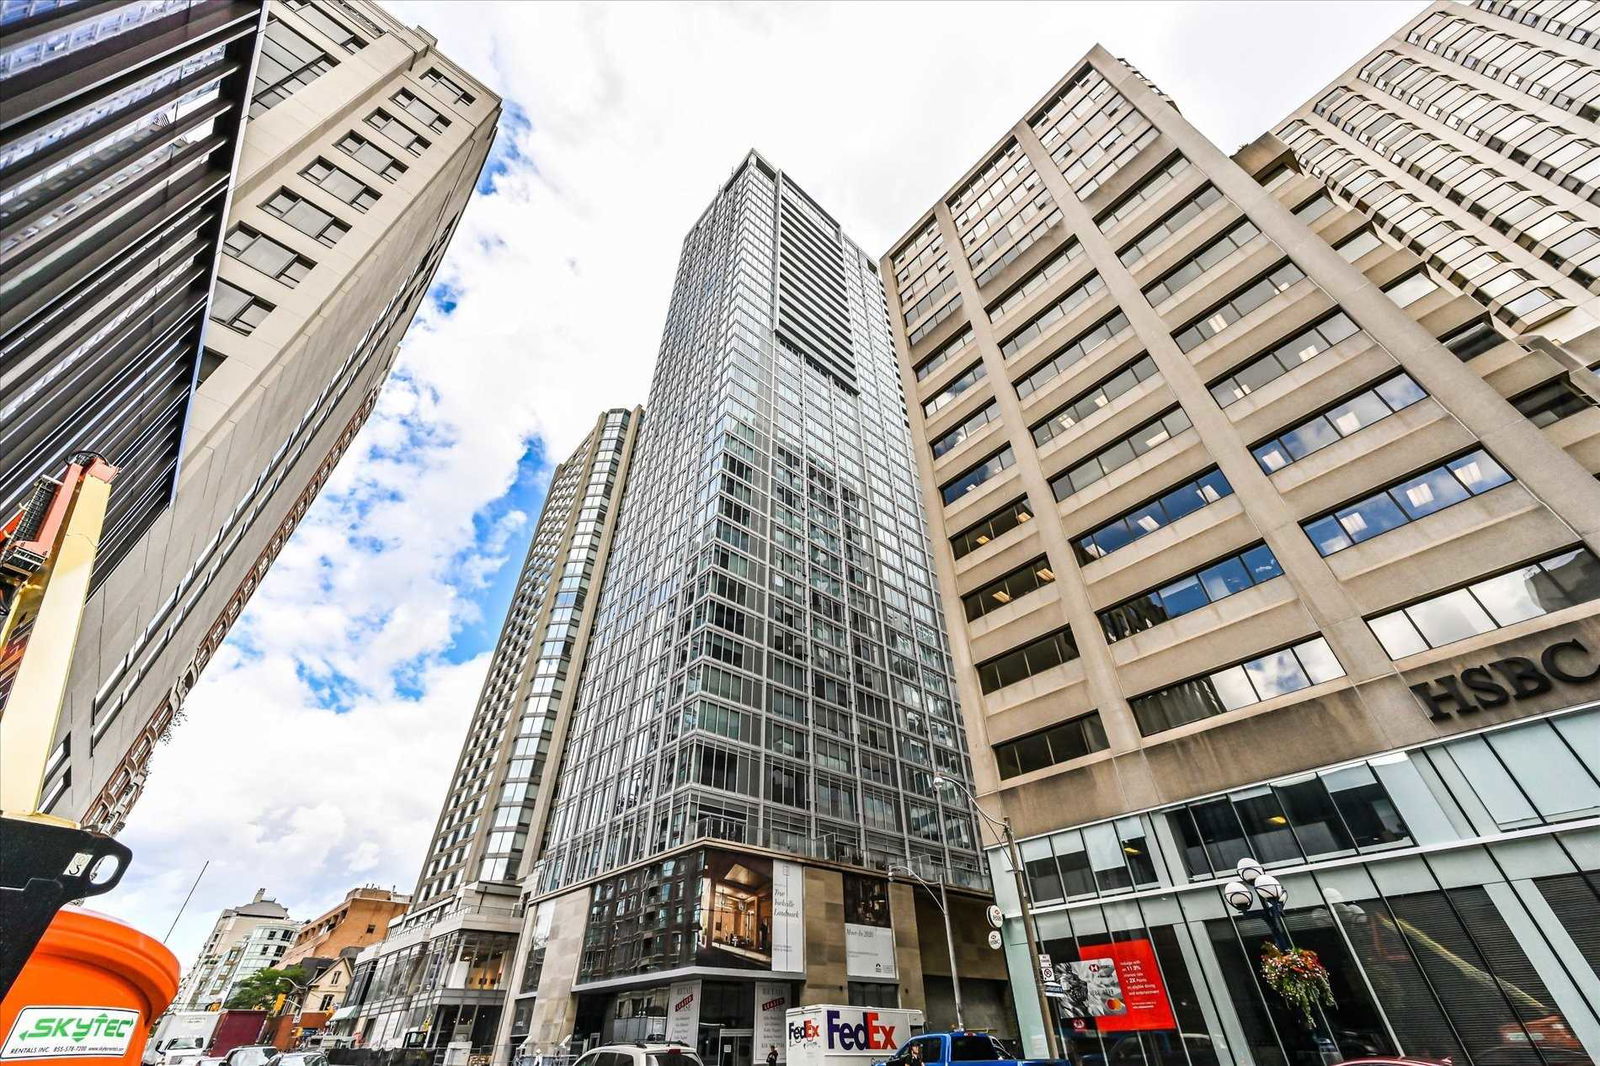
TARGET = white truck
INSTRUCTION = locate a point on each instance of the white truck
(180, 1035)
(833, 1035)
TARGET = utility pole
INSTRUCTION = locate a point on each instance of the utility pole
(942, 900)
(1025, 902)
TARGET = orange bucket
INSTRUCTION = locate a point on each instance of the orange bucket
(88, 994)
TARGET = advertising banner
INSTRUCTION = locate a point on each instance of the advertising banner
(772, 1008)
(683, 1013)
(788, 919)
(868, 928)
(1116, 988)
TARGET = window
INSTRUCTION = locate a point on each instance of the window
(1214, 252)
(1547, 404)
(1281, 358)
(1120, 453)
(306, 217)
(1472, 339)
(1358, 244)
(1404, 502)
(397, 131)
(1018, 583)
(1238, 305)
(1094, 399)
(1339, 421)
(951, 347)
(341, 186)
(1036, 281)
(288, 61)
(1326, 814)
(237, 309)
(974, 422)
(1148, 517)
(1528, 591)
(970, 480)
(1051, 315)
(1061, 743)
(948, 395)
(1190, 592)
(1174, 220)
(1072, 353)
(1002, 521)
(1030, 659)
(371, 156)
(447, 87)
(1314, 208)
(1158, 180)
(268, 256)
(1256, 680)
(329, 27)
(421, 110)
(1409, 290)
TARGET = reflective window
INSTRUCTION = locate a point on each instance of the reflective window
(1190, 592)
(1238, 305)
(951, 392)
(1214, 252)
(1051, 315)
(1281, 358)
(998, 593)
(1547, 404)
(1339, 421)
(1148, 517)
(1060, 743)
(1119, 453)
(306, 217)
(1415, 497)
(358, 194)
(1074, 351)
(1002, 521)
(1094, 399)
(237, 309)
(971, 479)
(1551, 584)
(973, 424)
(1032, 658)
(266, 255)
(1253, 681)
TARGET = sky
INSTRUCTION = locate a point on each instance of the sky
(315, 751)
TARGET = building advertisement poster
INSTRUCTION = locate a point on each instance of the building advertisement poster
(868, 928)
(683, 1013)
(788, 919)
(772, 1007)
(1116, 988)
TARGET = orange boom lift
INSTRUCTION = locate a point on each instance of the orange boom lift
(77, 986)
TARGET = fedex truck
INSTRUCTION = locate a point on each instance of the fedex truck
(831, 1035)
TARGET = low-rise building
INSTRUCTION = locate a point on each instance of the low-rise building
(362, 917)
(210, 975)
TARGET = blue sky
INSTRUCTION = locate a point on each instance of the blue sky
(317, 745)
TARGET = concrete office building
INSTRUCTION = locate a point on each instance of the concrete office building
(118, 141)
(445, 972)
(211, 976)
(767, 698)
(362, 146)
(1256, 542)
(1469, 136)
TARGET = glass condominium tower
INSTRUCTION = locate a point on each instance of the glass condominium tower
(768, 696)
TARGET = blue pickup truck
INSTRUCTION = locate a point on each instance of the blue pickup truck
(959, 1046)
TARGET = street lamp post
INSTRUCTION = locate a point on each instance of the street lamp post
(1255, 883)
(1025, 901)
(942, 901)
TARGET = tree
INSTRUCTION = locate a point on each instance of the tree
(262, 988)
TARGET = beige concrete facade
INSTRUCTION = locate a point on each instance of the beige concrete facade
(1132, 362)
(280, 396)
(1554, 503)
(360, 918)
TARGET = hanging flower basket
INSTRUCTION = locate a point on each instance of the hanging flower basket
(1299, 977)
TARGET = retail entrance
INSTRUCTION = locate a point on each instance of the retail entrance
(726, 1047)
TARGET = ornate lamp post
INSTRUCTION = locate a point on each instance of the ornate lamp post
(1255, 883)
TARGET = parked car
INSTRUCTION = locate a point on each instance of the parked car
(640, 1055)
(302, 1058)
(253, 1055)
(959, 1046)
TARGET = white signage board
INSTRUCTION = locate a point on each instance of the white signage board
(70, 1032)
(683, 1013)
(788, 919)
(772, 1008)
(869, 951)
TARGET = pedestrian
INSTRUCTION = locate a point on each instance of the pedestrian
(772, 1055)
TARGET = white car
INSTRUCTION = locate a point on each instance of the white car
(640, 1055)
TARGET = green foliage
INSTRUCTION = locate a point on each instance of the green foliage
(261, 989)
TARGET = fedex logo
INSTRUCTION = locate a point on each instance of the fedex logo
(869, 1034)
(807, 1030)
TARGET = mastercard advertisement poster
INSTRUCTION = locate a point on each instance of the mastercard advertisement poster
(1117, 988)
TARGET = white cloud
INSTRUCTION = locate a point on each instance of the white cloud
(635, 115)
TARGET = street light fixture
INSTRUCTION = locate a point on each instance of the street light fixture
(1255, 883)
(1024, 900)
(942, 901)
